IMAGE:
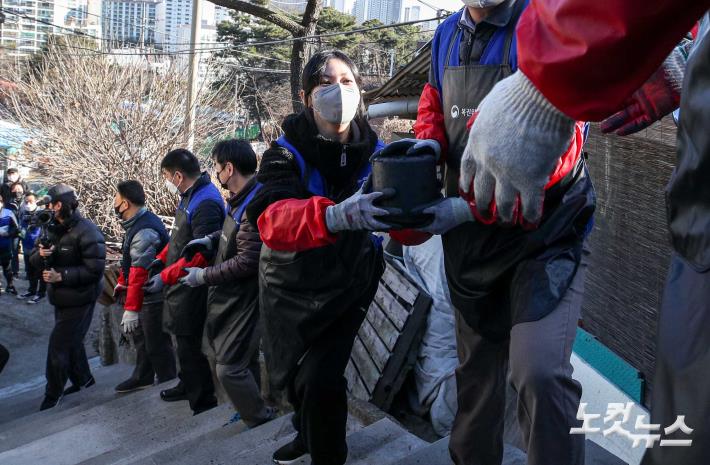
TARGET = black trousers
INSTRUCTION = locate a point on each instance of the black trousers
(16, 255)
(154, 348)
(5, 259)
(66, 356)
(318, 392)
(34, 276)
(4, 357)
(195, 374)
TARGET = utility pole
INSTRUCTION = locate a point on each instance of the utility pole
(190, 109)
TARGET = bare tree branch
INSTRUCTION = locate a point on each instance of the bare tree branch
(97, 123)
(279, 19)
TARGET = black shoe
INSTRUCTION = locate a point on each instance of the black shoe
(26, 295)
(131, 384)
(74, 388)
(290, 453)
(11, 290)
(34, 300)
(204, 408)
(48, 403)
(174, 394)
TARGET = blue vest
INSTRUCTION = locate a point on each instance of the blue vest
(205, 192)
(312, 178)
(6, 220)
(450, 30)
(237, 215)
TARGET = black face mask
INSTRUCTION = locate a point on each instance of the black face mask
(118, 212)
(224, 185)
(18, 196)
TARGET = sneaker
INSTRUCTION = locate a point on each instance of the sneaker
(34, 300)
(290, 453)
(131, 385)
(25, 295)
(11, 290)
(235, 418)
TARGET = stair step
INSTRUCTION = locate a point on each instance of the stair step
(367, 446)
(27, 403)
(165, 433)
(381, 443)
(223, 445)
(105, 415)
(24, 408)
(105, 435)
(437, 453)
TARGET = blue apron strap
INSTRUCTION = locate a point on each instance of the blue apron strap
(243, 206)
(314, 183)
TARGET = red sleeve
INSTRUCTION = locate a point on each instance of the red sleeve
(172, 273)
(588, 57)
(163, 255)
(410, 236)
(569, 159)
(134, 293)
(294, 225)
(430, 119)
(121, 280)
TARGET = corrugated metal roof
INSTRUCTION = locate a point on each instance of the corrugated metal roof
(407, 83)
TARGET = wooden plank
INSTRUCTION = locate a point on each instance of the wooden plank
(365, 366)
(400, 285)
(404, 355)
(350, 375)
(383, 325)
(374, 345)
(392, 308)
(360, 391)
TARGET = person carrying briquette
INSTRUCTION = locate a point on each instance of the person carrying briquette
(319, 267)
(517, 289)
(232, 328)
(200, 212)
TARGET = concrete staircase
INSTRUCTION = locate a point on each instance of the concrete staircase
(98, 426)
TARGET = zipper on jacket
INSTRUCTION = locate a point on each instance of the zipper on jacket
(343, 157)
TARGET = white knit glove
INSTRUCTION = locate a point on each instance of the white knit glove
(129, 321)
(513, 148)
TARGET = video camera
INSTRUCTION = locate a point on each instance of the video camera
(42, 219)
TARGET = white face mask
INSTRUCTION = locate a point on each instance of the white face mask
(482, 3)
(337, 103)
(172, 188)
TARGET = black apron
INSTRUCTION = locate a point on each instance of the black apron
(463, 89)
(499, 276)
(231, 327)
(184, 307)
(303, 293)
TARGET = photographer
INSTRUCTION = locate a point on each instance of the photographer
(30, 232)
(73, 268)
(8, 230)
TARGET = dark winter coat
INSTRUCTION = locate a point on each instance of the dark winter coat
(246, 263)
(80, 257)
